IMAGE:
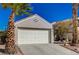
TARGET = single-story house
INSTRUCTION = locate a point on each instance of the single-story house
(33, 30)
(68, 23)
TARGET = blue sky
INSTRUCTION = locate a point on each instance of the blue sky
(50, 11)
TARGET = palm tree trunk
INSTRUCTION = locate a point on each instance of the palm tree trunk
(10, 42)
(75, 11)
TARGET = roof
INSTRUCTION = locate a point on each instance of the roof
(65, 21)
(34, 21)
(68, 23)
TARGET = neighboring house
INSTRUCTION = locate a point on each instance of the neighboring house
(68, 23)
(33, 30)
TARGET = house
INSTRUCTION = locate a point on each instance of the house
(33, 30)
(68, 23)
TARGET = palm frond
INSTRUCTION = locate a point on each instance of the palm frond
(20, 8)
(4, 5)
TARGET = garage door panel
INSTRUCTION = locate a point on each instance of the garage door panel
(26, 36)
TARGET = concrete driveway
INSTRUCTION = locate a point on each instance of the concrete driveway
(45, 49)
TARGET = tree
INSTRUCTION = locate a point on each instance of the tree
(17, 9)
(75, 11)
(60, 29)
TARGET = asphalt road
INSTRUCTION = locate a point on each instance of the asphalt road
(45, 49)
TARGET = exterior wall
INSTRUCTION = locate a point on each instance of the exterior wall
(52, 35)
(69, 36)
(34, 21)
(78, 34)
(16, 36)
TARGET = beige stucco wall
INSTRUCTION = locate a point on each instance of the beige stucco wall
(78, 33)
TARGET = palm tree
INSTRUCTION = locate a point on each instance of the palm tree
(75, 11)
(17, 9)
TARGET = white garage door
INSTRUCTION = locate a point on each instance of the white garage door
(26, 36)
